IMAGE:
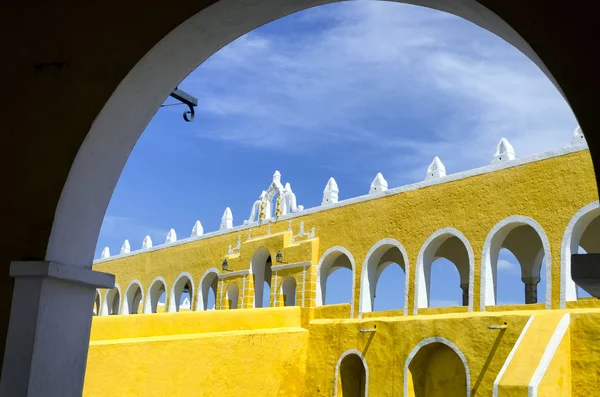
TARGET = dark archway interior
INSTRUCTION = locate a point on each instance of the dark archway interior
(352, 377)
(437, 371)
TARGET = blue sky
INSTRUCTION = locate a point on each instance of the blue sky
(344, 90)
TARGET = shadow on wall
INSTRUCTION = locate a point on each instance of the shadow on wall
(436, 371)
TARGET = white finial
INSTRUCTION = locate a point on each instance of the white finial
(227, 219)
(330, 194)
(125, 248)
(578, 137)
(147, 243)
(198, 230)
(171, 237)
(277, 176)
(436, 169)
(105, 253)
(504, 152)
(379, 184)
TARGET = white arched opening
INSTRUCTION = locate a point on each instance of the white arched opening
(208, 289)
(134, 295)
(582, 231)
(357, 373)
(112, 301)
(157, 288)
(527, 241)
(183, 287)
(432, 341)
(333, 259)
(233, 294)
(260, 269)
(288, 289)
(452, 245)
(381, 255)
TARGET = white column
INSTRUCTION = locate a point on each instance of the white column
(49, 329)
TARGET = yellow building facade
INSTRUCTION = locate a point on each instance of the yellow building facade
(541, 208)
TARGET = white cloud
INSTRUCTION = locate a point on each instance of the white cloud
(509, 267)
(362, 71)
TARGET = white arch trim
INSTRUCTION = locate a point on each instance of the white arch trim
(100, 300)
(148, 302)
(201, 295)
(428, 341)
(125, 309)
(366, 292)
(487, 294)
(573, 233)
(339, 363)
(421, 289)
(330, 251)
(105, 300)
(173, 304)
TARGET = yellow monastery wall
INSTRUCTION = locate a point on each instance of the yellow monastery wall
(267, 352)
(549, 191)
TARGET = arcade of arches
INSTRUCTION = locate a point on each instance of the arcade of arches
(70, 153)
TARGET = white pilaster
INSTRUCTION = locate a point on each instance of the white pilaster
(49, 329)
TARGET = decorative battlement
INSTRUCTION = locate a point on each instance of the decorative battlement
(286, 204)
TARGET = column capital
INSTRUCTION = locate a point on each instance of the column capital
(530, 280)
(59, 271)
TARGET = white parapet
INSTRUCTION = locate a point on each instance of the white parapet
(226, 220)
(171, 237)
(331, 192)
(197, 230)
(436, 169)
(105, 253)
(379, 184)
(126, 248)
(504, 152)
(147, 243)
(578, 137)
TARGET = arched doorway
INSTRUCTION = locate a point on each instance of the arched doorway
(527, 242)
(133, 297)
(288, 289)
(335, 259)
(111, 304)
(97, 305)
(451, 246)
(260, 268)
(208, 290)
(233, 294)
(436, 368)
(351, 375)
(157, 289)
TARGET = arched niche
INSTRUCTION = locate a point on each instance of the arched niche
(288, 290)
(351, 375)
(233, 294)
(134, 295)
(157, 288)
(183, 283)
(582, 231)
(436, 368)
(381, 255)
(452, 245)
(208, 285)
(527, 241)
(97, 304)
(260, 269)
(333, 259)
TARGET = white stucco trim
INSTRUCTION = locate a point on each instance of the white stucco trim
(510, 356)
(173, 304)
(341, 250)
(236, 273)
(276, 268)
(421, 287)
(339, 363)
(201, 297)
(488, 278)
(398, 190)
(125, 309)
(570, 242)
(428, 341)
(555, 340)
(148, 302)
(105, 300)
(366, 292)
